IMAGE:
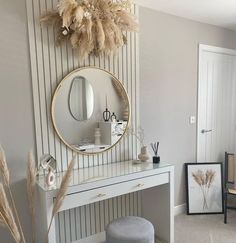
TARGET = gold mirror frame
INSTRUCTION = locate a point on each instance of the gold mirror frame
(53, 109)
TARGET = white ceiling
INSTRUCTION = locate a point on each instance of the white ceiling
(217, 12)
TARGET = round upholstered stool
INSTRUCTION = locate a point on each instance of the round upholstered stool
(130, 230)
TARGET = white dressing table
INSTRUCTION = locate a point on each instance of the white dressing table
(89, 185)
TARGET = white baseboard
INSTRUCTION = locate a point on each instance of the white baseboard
(180, 209)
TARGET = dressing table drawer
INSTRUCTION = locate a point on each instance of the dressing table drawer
(87, 197)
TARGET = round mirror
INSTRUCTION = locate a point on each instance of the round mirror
(90, 110)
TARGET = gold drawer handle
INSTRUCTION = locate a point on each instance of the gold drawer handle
(140, 184)
(102, 195)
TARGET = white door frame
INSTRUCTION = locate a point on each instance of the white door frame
(214, 49)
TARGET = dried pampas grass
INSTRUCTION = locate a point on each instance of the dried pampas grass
(4, 172)
(63, 188)
(6, 215)
(204, 181)
(31, 180)
(8, 211)
(100, 35)
(52, 18)
(3, 167)
(92, 26)
(67, 10)
(62, 192)
(78, 16)
(2, 224)
(120, 91)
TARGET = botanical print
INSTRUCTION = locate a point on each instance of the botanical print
(204, 180)
(204, 184)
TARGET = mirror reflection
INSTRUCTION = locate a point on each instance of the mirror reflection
(90, 110)
(81, 100)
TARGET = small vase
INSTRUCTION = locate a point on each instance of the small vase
(97, 136)
(144, 156)
(50, 178)
(113, 117)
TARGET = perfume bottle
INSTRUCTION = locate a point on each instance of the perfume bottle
(113, 117)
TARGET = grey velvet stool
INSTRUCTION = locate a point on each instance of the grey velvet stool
(130, 230)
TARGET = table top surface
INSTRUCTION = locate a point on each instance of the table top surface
(102, 172)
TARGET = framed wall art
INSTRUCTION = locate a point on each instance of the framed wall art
(204, 188)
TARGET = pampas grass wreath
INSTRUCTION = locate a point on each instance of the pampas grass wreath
(93, 27)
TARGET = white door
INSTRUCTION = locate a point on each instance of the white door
(216, 103)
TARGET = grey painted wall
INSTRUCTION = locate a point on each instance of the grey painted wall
(168, 77)
(16, 119)
(168, 83)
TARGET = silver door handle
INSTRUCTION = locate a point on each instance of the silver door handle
(205, 131)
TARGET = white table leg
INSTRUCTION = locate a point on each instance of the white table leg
(158, 208)
(52, 232)
(44, 207)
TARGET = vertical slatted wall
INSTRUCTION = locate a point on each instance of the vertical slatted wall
(49, 64)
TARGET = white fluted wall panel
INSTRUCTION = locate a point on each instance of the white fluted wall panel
(49, 64)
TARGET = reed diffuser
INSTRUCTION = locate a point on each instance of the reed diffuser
(155, 147)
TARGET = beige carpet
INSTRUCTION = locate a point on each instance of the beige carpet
(205, 229)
